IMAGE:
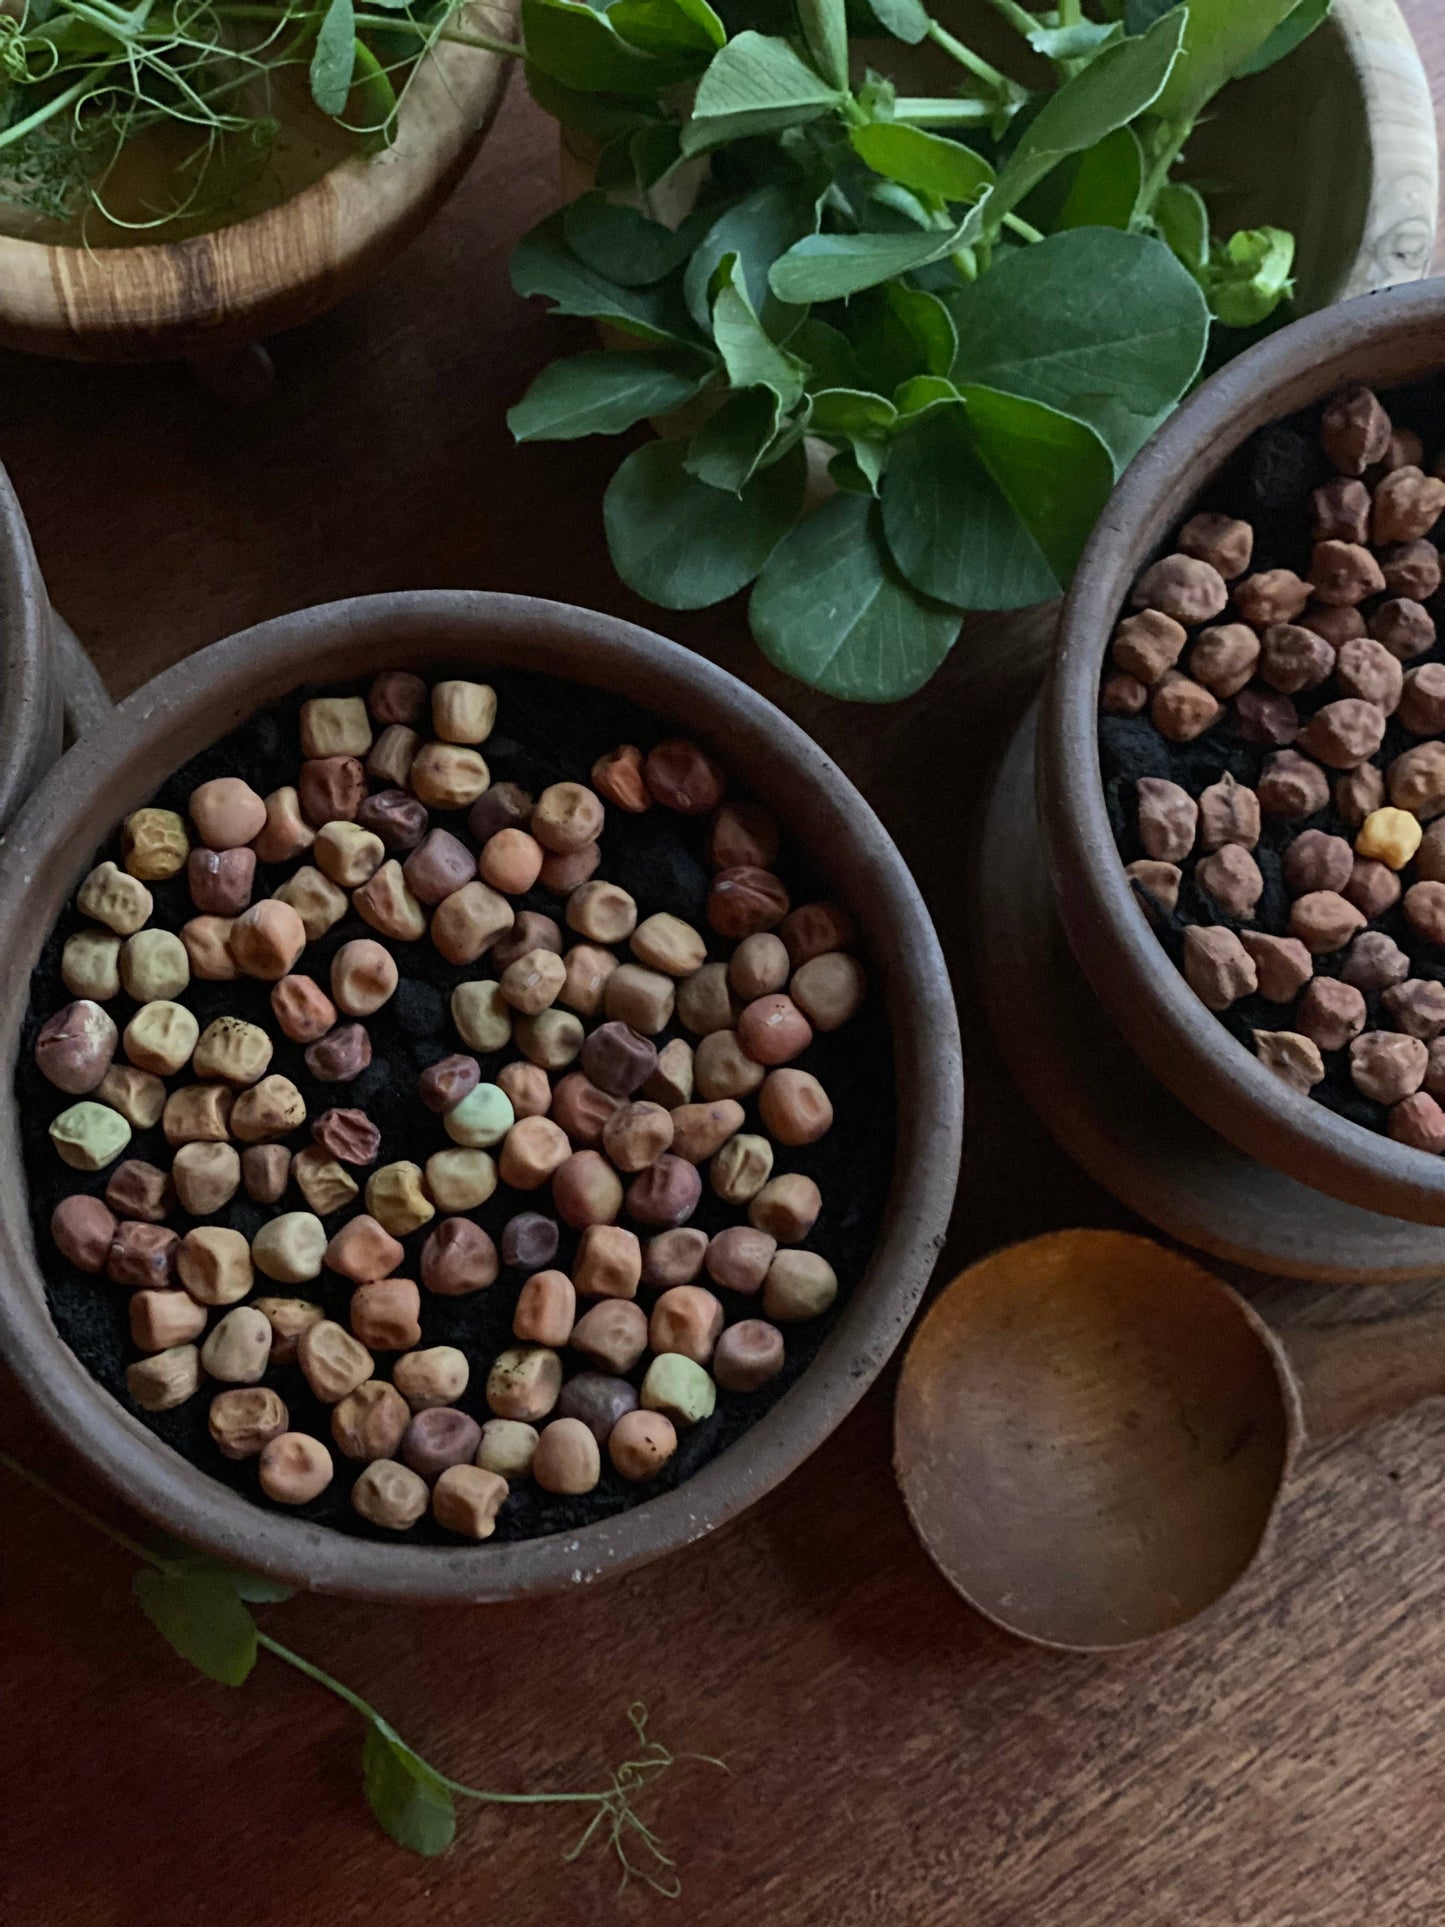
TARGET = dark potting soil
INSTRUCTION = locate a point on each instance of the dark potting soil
(547, 732)
(1268, 483)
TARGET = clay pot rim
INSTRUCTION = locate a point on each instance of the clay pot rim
(1387, 338)
(30, 688)
(199, 701)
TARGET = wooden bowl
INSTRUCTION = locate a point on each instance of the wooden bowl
(31, 710)
(217, 291)
(201, 700)
(1383, 339)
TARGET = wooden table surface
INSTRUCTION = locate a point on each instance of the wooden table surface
(895, 1762)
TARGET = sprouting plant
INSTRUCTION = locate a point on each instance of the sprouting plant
(202, 1609)
(898, 346)
(81, 79)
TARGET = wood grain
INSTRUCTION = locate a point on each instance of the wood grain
(896, 1763)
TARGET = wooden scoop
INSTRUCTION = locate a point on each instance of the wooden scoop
(1092, 1431)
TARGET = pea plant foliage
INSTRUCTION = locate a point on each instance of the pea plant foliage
(897, 347)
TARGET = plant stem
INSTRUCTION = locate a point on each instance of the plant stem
(1019, 18)
(975, 63)
(1025, 230)
(88, 80)
(1171, 137)
(1071, 13)
(391, 23)
(79, 1511)
(943, 113)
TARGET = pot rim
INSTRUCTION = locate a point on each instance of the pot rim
(1385, 338)
(30, 683)
(200, 700)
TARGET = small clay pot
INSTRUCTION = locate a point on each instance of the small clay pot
(1390, 338)
(191, 706)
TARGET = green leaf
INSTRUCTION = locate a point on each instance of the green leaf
(1296, 26)
(728, 449)
(751, 358)
(595, 115)
(756, 84)
(847, 472)
(578, 47)
(928, 162)
(1090, 322)
(828, 353)
(831, 609)
(1183, 221)
(1220, 37)
(1080, 41)
(201, 1616)
(950, 527)
(334, 59)
(685, 545)
(851, 411)
(1105, 188)
(830, 267)
(411, 1802)
(825, 32)
(543, 264)
(620, 243)
(904, 19)
(757, 229)
(603, 392)
(1055, 472)
(1249, 275)
(1115, 87)
(668, 27)
(922, 396)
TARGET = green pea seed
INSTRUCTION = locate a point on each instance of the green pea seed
(89, 1136)
(483, 1117)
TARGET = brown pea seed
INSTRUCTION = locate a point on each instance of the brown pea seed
(386, 1316)
(586, 1190)
(166, 1379)
(267, 939)
(637, 1134)
(294, 1469)
(794, 1107)
(243, 1422)
(214, 1264)
(161, 1319)
(567, 817)
(369, 1423)
(437, 1376)
(524, 1382)
(466, 1500)
(288, 1318)
(390, 1494)
(567, 1458)
(546, 1310)
(612, 1335)
(238, 1348)
(687, 1319)
(640, 1445)
(334, 1363)
(786, 1207)
(748, 1355)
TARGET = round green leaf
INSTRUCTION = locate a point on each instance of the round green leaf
(201, 1616)
(685, 545)
(830, 609)
(410, 1801)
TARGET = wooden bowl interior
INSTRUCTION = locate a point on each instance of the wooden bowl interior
(199, 701)
(277, 269)
(1383, 339)
(1091, 1435)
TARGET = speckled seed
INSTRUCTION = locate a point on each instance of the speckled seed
(288, 1318)
(165, 1380)
(290, 1248)
(231, 1050)
(1182, 586)
(88, 1136)
(391, 1495)
(741, 1168)
(799, 1285)
(1231, 878)
(214, 1264)
(243, 1422)
(239, 1347)
(686, 1319)
(90, 965)
(1330, 1013)
(1167, 818)
(437, 1376)
(466, 1500)
(678, 1388)
(673, 1257)
(608, 1262)
(153, 844)
(109, 896)
(640, 1445)
(1424, 906)
(162, 1319)
(1282, 964)
(524, 1382)
(1228, 813)
(787, 1207)
(1387, 1066)
(273, 1108)
(794, 1107)
(265, 1172)
(507, 1447)
(294, 1469)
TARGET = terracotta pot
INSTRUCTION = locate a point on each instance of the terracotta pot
(1383, 339)
(31, 711)
(200, 700)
